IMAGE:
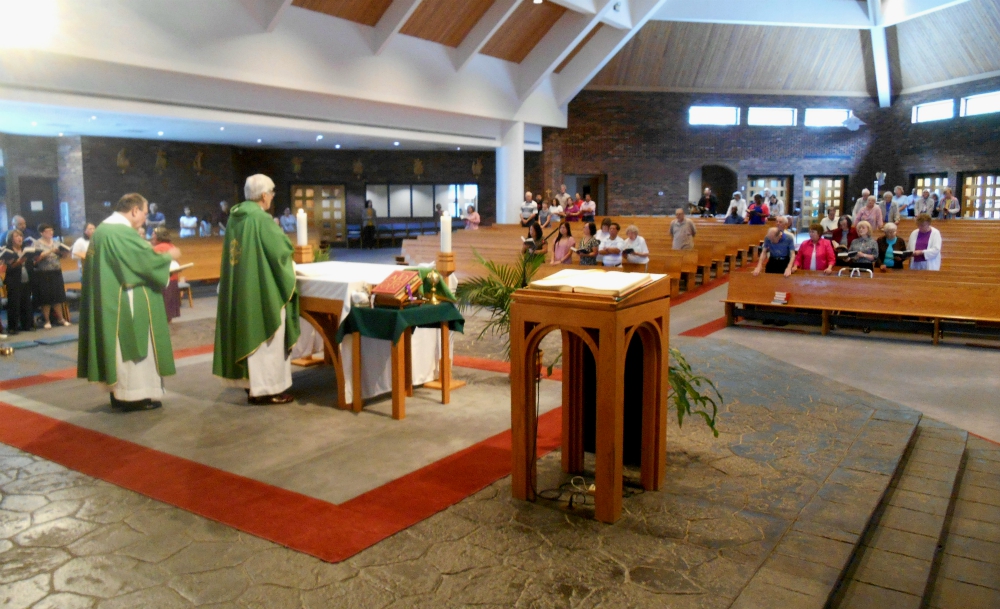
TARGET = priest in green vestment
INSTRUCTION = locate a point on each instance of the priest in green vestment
(124, 337)
(257, 321)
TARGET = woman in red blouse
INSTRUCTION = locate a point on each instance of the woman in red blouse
(816, 254)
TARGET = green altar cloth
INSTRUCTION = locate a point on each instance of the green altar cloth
(389, 324)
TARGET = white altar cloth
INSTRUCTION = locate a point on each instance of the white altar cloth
(337, 281)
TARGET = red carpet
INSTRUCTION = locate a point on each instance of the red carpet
(706, 329)
(325, 530)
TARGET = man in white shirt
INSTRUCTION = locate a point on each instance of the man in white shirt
(611, 248)
(603, 233)
(829, 223)
(861, 202)
(640, 251)
(529, 210)
(739, 204)
(563, 197)
(778, 207)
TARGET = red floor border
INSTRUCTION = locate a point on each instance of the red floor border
(706, 329)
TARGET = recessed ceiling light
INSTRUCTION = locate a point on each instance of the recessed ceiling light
(159, 133)
(319, 137)
(60, 135)
(538, 1)
(259, 140)
(222, 128)
(395, 143)
(337, 146)
(93, 118)
(459, 148)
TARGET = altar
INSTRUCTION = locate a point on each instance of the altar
(325, 290)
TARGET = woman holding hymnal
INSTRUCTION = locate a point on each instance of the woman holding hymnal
(891, 249)
(589, 244)
(844, 235)
(47, 281)
(535, 243)
(20, 266)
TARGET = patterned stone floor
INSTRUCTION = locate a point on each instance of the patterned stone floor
(69, 541)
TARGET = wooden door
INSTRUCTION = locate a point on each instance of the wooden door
(781, 186)
(326, 207)
(981, 195)
(821, 193)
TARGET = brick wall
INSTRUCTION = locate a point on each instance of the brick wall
(379, 167)
(69, 152)
(30, 157)
(171, 187)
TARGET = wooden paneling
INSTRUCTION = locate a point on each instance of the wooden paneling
(365, 12)
(953, 43)
(522, 31)
(446, 21)
(717, 57)
(582, 44)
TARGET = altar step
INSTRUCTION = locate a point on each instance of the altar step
(896, 561)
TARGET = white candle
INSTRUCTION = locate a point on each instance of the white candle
(446, 234)
(301, 228)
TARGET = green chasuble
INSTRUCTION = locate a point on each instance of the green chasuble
(119, 259)
(257, 280)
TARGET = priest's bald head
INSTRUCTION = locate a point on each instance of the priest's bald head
(260, 189)
(134, 207)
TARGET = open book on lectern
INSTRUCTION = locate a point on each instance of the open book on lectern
(593, 281)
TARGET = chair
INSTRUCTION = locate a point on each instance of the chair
(400, 231)
(184, 286)
(353, 234)
(384, 232)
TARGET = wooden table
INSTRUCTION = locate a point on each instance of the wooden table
(606, 326)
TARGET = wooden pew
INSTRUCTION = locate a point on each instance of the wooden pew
(917, 294)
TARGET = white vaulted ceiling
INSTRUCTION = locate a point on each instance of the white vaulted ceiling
(428, 73)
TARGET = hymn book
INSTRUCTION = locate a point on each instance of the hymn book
(397, 289)
(780, 298)
(7, 255)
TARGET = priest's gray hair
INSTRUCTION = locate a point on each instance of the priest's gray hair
(256, 186)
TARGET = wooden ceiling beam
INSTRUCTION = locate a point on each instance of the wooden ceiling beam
(490, 24)
(391, 22)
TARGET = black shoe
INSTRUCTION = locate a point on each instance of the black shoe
(268, 400)
(135, 405)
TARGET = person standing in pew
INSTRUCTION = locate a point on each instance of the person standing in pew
(535, 243)
(529, 210)
(829, 223)
(757, 211)
(951, 207)
(588, 209)
(870, 213)
(844, 235)
(602, 235)
(890, 211)
(925, 243)
(683, 230)
(124, 337)
(636, 251)
(864, 250)
(890, 249)
(611, 248)
(562, 249)
(815, 254)
(471, 218)
(257, 321)
(589, 245)
(738, 208)
(777, 256)
(924, 204)
(861, 202)
(708, 204)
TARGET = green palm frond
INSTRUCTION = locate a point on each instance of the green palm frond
(692, 394)
(494, 292)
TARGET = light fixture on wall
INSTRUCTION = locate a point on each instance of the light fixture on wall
(159, 133)
(222, 128)
(259, 140)
(319, 137)
(60, 135)
(395, 143)
(337, 146)
(538, 1)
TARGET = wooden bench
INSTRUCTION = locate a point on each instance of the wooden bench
(910, 300)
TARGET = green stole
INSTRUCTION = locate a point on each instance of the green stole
(119, 260)
(257, 281)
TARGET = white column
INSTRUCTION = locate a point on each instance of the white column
(510, 173)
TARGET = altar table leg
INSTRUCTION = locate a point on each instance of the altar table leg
(408, 352)
(398, 379)
(359, 399)
(445, 364)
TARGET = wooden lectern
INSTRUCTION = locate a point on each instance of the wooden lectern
(606, 326)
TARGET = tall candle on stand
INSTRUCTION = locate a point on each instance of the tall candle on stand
(446, 234)
(301, 228)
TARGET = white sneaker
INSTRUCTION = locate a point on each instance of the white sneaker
(65, 323)
(47, 326)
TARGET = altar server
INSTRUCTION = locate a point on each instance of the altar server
(257, 322)
(124, 337)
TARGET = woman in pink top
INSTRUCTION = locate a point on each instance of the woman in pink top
(572, 212)
(472, 219)
(562, 252)
(816, 254)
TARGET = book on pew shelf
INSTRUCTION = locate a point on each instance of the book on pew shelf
(780, 298)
